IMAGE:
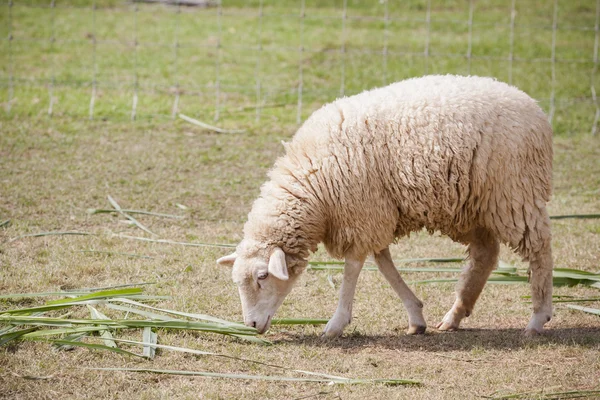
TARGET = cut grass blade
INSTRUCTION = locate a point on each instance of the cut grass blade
(127, 323)
(577, 300)
(207, 126)
(4, 223)
(81, 292)
(560, 277)
(150, 339)
(127, 285)
(588, 310)
(68, 326)
(52, 234)
(104, 294)
(43, 294)
(208, 353)
(96, 346)
(146, 314)
(44, 308)
(393, 382)
(93, 211)
(88, 298)
(116, 253)
(62, 331)
(202, 317)
(340, 267)
(14, 334)
(105, 334)
(137, 223)
(103, 325)
(575, 274)
(164, 241)
(400, 261)
(76, 337)
(575, 216)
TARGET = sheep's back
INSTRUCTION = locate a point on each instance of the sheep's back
(443, 152)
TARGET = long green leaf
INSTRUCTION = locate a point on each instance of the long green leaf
(576, 216)
(104, 294)
(76, 337)
(63, 331)
(121, 323)
(569, 299)
(575, 274)
(42, 294)
(120, 286)
(206, 374)
(30, 310)
(12, 335)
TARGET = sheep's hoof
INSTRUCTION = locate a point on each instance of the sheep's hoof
(532, 332)
(447, 327)
(331, 334)
(416, 330)
(334, 328)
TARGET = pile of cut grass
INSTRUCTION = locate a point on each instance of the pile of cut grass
(49, 323)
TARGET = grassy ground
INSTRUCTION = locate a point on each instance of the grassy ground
(54, 169)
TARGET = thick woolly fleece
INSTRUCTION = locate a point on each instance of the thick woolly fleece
(447, 153)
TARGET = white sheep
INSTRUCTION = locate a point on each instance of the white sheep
(470, 157)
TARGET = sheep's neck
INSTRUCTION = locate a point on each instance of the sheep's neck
(280, 219)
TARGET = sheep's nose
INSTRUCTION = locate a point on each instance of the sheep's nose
(251, 324)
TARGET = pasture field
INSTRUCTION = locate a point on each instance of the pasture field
(53, 169)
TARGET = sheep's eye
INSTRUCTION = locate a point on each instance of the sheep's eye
(262, 275)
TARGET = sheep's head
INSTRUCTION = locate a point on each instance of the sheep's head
(263, 282)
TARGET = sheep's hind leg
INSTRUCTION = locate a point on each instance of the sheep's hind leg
(483, 258)
(343, 314)
(416, 322)
(540, 277)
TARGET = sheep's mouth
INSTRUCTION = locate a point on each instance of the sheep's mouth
(265, 327)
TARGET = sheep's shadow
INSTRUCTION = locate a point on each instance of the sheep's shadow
(464, 339)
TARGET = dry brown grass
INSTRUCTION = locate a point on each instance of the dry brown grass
(53, 172)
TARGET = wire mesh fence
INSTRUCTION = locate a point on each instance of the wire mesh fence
(246, 61)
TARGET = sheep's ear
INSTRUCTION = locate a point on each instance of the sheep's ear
(227, 261)
(277, 265)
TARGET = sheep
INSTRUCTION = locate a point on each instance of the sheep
(470, 157)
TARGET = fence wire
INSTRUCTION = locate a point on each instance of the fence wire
(261, 59)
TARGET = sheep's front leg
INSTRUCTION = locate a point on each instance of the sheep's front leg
(343, 313)
(416, 322)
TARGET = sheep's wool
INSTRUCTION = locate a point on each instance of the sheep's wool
(445, 153)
